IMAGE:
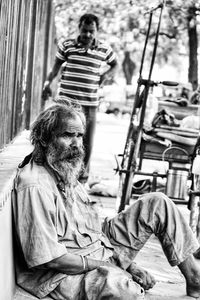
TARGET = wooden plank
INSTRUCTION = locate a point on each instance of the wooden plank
(25, 30)
(7, 91)
(180, 112)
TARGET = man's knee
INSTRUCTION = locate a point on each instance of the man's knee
(155, 198)
(111, 283)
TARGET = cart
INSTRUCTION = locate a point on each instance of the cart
(138, 147)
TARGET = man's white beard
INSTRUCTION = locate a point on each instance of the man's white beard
(67, 162)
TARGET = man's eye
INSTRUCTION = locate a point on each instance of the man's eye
(71, 134)
(66, 134)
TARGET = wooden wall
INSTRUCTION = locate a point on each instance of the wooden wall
(27, 45)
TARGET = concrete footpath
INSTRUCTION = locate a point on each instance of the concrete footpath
(109, 141)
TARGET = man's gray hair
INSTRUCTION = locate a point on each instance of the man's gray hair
(48, 124)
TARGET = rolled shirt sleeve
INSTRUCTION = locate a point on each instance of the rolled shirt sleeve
(110, 55)
(61, 51)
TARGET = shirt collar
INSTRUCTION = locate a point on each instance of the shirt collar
(59, 181)
(56, 176)
(61, 186)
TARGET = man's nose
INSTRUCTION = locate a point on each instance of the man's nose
(75, 141)
(88, 34)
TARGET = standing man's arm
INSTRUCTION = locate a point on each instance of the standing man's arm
(52, 74)
(110, 73)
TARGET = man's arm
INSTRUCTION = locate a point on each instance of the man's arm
(55, 69)
(110, 73)
(72, 264)
(52, 74)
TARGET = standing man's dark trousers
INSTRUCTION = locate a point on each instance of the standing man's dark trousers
(90, 114)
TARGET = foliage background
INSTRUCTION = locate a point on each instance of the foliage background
(123, 23)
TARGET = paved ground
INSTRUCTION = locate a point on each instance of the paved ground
(109, 141)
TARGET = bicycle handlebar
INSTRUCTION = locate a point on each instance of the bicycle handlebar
(155, 83)
(154, 8)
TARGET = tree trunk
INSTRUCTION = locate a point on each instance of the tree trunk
(128, 67)
(193, 47)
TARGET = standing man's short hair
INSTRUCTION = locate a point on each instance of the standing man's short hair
(88, 19)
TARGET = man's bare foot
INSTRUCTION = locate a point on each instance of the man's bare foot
(193, 289)
(190, 268)
(141, 276)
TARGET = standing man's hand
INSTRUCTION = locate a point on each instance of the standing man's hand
(109, 74)
(46, 92)
(103, 78)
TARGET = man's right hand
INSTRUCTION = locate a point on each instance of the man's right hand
(141, 276)
(46, 92)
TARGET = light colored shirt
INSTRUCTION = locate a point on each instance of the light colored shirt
(49, 224)
(81, 70)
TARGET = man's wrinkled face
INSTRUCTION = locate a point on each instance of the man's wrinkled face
(65, 153)
(88, 33)
(70, 139)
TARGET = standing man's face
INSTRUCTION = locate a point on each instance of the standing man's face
(87, 33)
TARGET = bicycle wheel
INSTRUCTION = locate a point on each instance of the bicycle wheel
(123, 172)
(128, 170)
(126, 182)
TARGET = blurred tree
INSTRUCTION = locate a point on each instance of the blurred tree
(124, 22)
(184, 20)
(193, 46)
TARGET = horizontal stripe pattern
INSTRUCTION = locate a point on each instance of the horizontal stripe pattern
(80, 70)
(77, 100)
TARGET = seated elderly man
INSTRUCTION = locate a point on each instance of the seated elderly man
(63, 249)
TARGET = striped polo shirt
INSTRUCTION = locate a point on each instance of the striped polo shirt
(80, 73)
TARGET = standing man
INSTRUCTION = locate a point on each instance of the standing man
(81, 60)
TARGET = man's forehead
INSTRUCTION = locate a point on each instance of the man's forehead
(72, 124)
(90, 26)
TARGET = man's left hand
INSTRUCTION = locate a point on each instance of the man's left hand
(103, 78)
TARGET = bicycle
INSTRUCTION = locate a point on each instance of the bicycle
(128, 166)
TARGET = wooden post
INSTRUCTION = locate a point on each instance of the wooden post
(194, 206)
(193, 213)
